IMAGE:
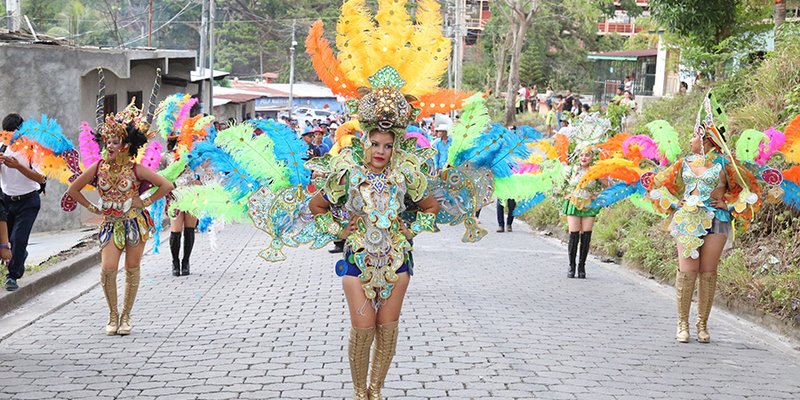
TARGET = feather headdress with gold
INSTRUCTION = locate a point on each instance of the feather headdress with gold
(373, 49)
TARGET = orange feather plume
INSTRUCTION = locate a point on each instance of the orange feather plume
(52, 166)
(792, 174)
(5, 137)
(562, 147)
(188, 134)
(613, 146)
(441, 101)
(326, 64)
(615, 168)
(791, 148)
(32, 151)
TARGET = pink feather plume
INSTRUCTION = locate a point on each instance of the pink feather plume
(765, 151)
(184, 113)
(152, 155)
(647, 147)
(525, 169)
(90, 149)
(421, 140)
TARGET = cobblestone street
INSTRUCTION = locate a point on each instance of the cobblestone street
(497, 319)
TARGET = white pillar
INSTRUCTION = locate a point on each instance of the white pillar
(659, 89)
(14, 14)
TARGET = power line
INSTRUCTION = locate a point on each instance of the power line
(183, 10)
(195, 21)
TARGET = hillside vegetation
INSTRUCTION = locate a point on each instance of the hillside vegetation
(761, 272)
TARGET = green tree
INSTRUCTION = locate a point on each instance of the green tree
(533, 67)
(42, 14)
(611, 42)
(77, 23)
(711, 32)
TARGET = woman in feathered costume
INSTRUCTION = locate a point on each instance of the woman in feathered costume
(580, 215)
(181, 131)
(393, 68)
(704, 192)
(126, 225)
(580, 192)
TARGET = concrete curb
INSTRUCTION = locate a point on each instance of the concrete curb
(49, 278)
(738, 308)
(59, 273)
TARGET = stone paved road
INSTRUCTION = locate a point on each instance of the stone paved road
(493, 320)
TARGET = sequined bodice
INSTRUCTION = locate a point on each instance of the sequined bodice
(117, 185)
(377, 243)
(378, 197)
(700, 185)
(575, 176)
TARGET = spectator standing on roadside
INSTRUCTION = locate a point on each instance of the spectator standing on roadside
(21, 186)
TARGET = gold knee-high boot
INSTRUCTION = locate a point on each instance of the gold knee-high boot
(385, 345)
(358, 353)
(705, 299)
(108, 281)
(132, 276)
(684, 286)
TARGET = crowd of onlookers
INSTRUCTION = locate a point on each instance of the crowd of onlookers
(560, 110)
(557, 109)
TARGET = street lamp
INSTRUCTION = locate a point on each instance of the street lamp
(291, 69)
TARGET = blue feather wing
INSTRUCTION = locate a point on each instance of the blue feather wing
(483, 152)
(232, 176)
(499, 149)
(289, 148)
(613, 194)
(47, 133)
(526, 205)
(157, 212)
(791, 193)
(204, 224)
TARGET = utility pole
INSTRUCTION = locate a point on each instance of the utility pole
(201, 59)
(458, 45)
(211, 7)
(291, 68)
(449, 32)
(150, 24)
(13, 14)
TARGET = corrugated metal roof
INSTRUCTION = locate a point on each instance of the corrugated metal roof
(630, 55)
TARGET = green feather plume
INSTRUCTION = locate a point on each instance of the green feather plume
(174, 170)
(642, 203)
(748, 144)
(526, 186)
(210, 200)
(255, 154)
(473, 121)
(666, 137)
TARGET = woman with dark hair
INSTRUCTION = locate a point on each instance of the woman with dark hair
(181, 223)
(377, 264)
(703, 192)
(580, 217)
(126, 225)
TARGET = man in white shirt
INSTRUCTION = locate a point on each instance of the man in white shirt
(566, 129)
(20, 185)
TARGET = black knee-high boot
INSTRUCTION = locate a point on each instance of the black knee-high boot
(188, 244)
(175, 248)
(586, 240)
(572, 246)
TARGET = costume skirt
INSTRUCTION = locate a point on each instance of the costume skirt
(347, 265)
(126, 232)
(569, 209)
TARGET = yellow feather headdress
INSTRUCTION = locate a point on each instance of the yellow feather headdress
(417, 50)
